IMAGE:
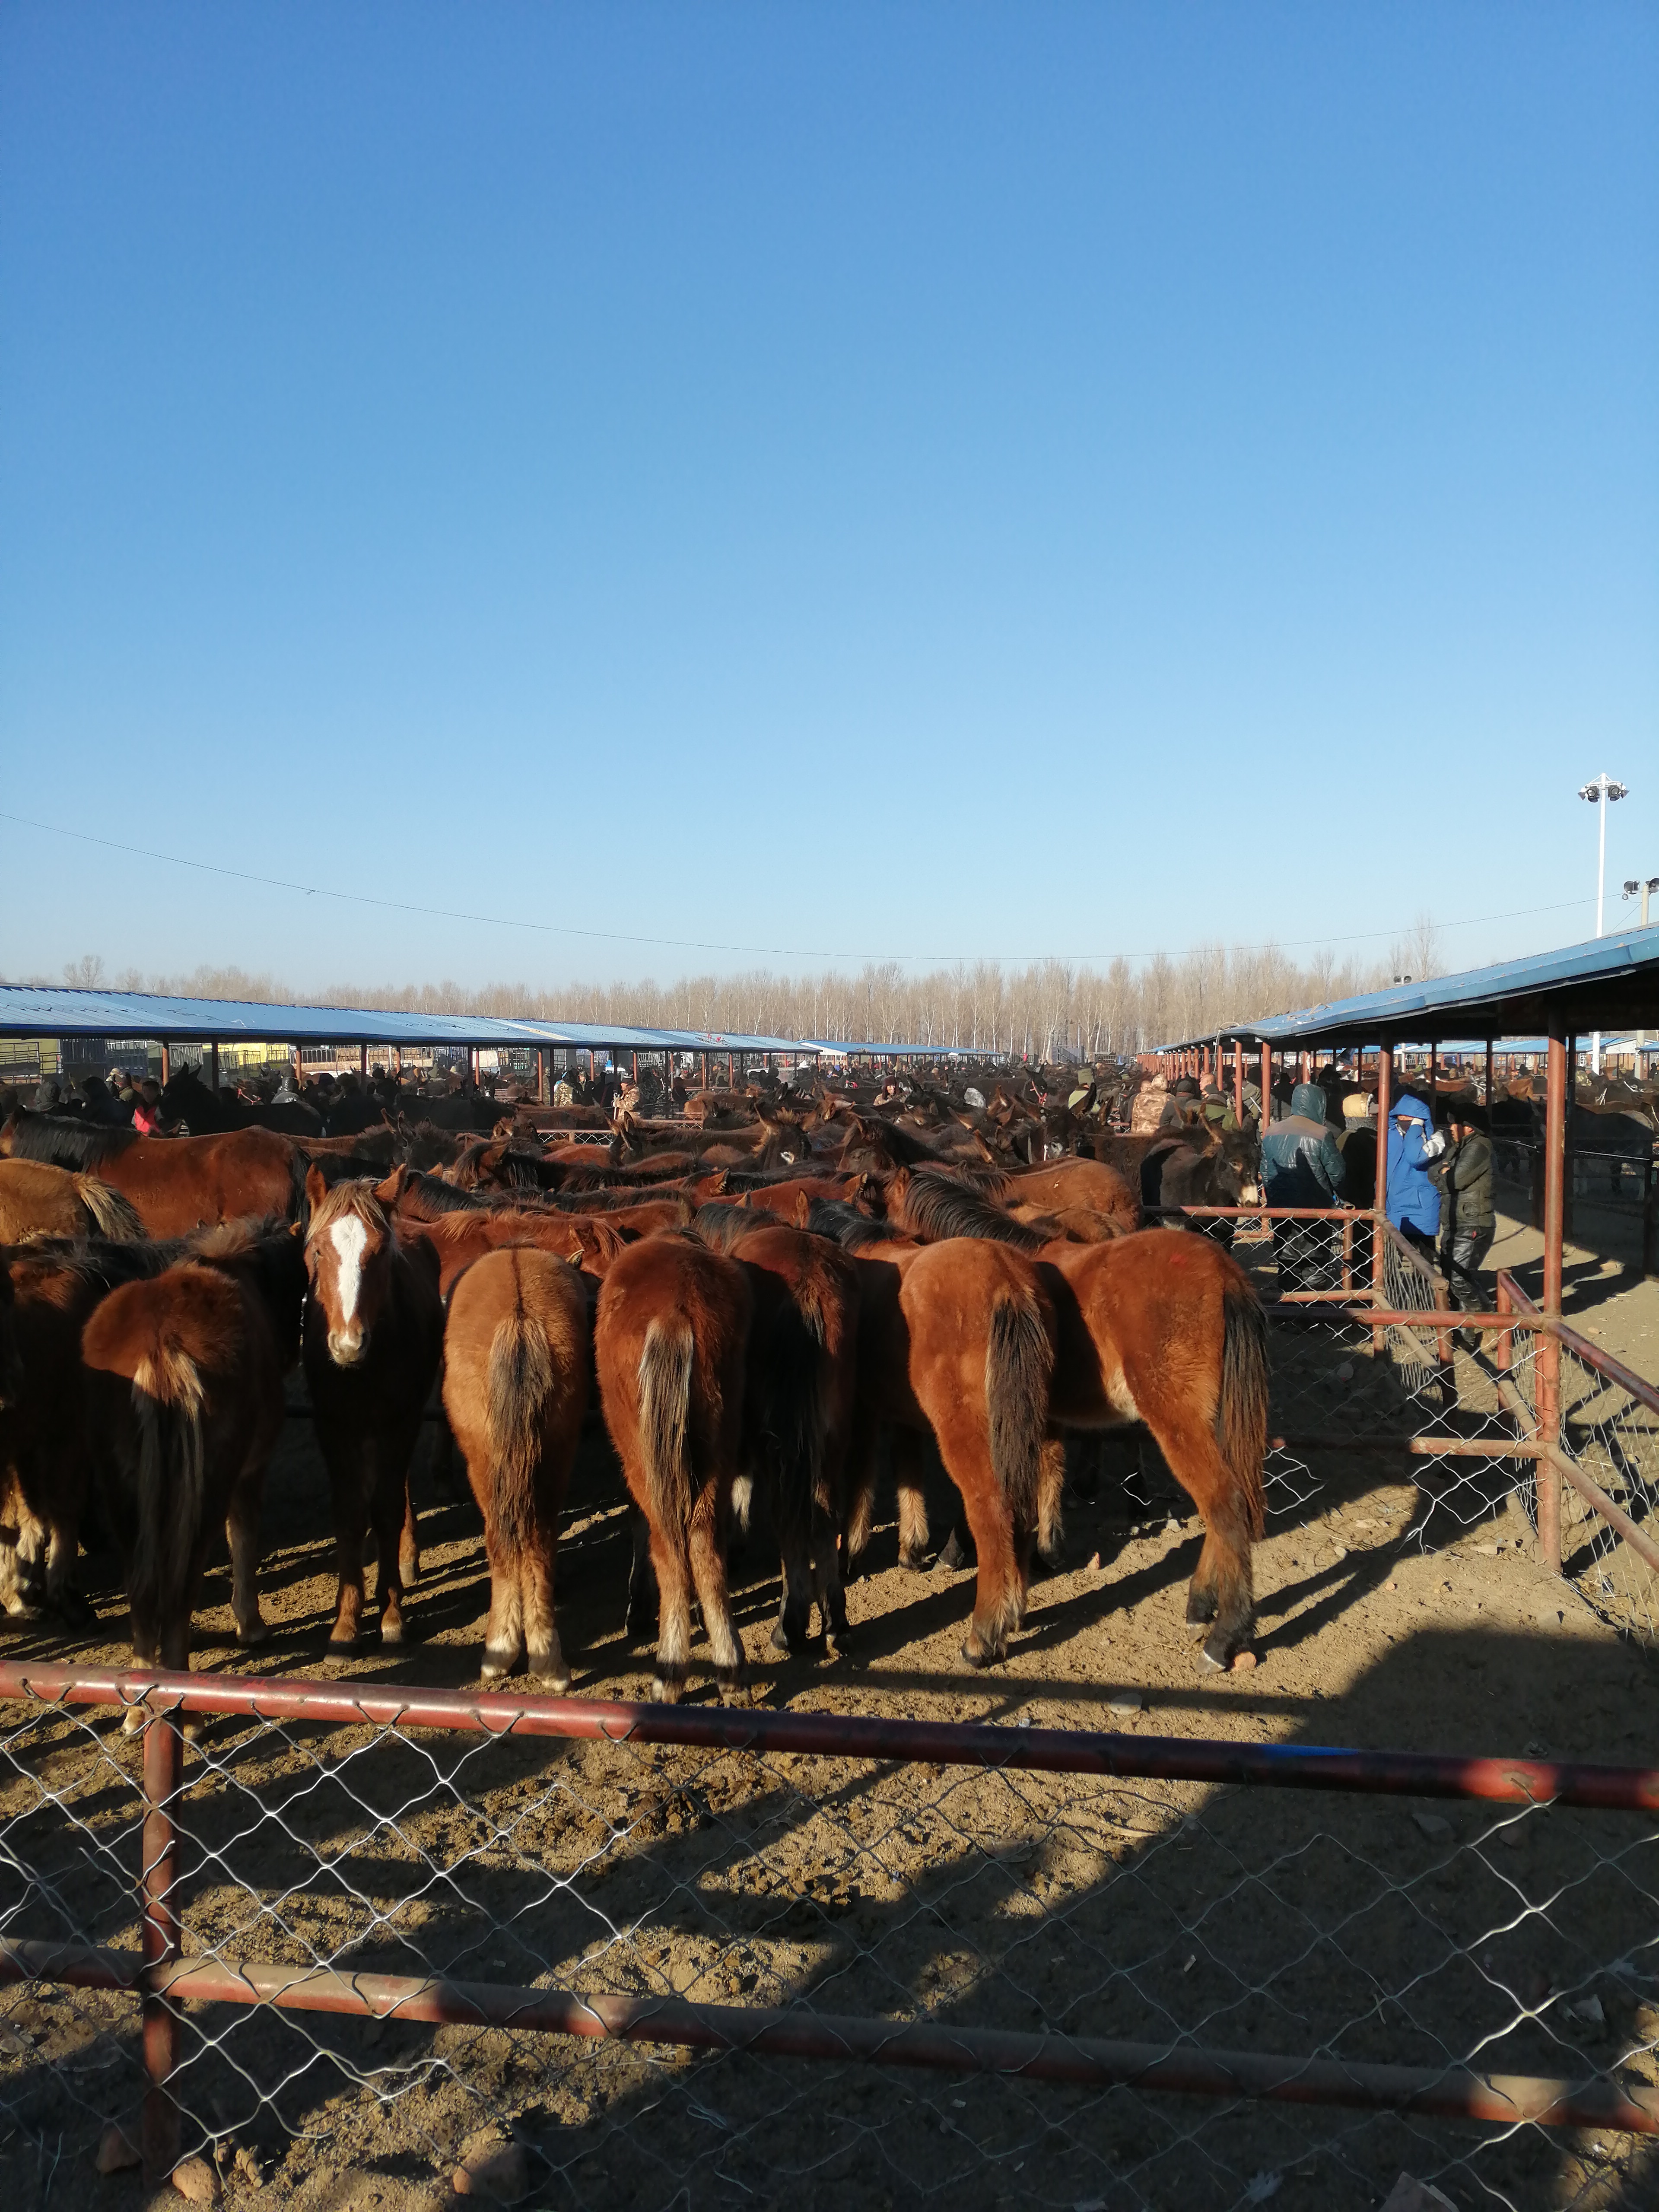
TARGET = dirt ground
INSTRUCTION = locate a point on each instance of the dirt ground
(1381, 1929)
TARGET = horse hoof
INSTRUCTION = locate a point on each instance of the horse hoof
(495, 1665)
(665, 1692)
(952, 1555)
(256, 1631)
(735, 1693)
(977, 1656)
(391, 1633)
(915, 1562)
(132, 1721)
(1201, 1608)
(1222, 1643)
(343, 1640)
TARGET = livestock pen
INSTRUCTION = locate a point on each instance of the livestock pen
(1088, 1930)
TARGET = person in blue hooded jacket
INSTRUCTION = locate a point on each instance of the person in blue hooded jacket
(1412, 1201)
(1302, 1164)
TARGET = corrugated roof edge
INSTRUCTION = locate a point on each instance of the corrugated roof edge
(1395, 1008)
(29, 1010)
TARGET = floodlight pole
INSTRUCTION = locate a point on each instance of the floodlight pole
(1601, 794)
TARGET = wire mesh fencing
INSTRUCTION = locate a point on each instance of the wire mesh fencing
(807, 1961)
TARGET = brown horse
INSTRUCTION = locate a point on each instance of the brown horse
(38, 1199)
(1163, 1328)
(47, 1451)
(185, 1389)
(174, 1183)
(1095, 1187)
(588, 1241)
(516, 1356)
(373, 1329)
(669, 1346)
(956, 1339)
(802, 1372)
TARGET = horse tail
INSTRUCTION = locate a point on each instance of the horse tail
(1018, 1364)
(664, 1376)
(113, 1216)
(519, 1381)
(1241, 1412)
(171, 1480)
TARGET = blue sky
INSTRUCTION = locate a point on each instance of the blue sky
(915, 480)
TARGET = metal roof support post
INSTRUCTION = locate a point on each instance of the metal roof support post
(1489, 1084)
(167, 1065)
(362, 1061)
(213, 1065)
(1266, 1088)
(1380, 1200)
(1570, 1175)
(1238, 1081)
(1547, 1385)
(541, 1075)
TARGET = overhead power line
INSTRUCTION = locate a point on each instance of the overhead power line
(752, 952)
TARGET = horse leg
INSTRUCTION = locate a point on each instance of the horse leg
(409, 1543)
(1222, 1593)
(999, 1598)
(907, 1477)
(390, 1502)
(503, 1630)
(545, 1654)
(242, 1534)
(793, 1511)
(672, 1567)
(1051, 1482)
(350, 1517)
(707, 1561)
(642, 1579)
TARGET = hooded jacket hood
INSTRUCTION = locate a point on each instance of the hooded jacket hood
(1309, 1098)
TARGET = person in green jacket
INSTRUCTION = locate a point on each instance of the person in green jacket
(1463, 1173)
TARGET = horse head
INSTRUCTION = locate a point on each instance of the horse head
(350, 1250)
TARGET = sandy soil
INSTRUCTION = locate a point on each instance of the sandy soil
(1381, 1929)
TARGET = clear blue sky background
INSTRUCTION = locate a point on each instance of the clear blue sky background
(927, 480)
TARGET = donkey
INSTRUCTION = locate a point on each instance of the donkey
(374, 1327)
(669, 1346)
(516, 1358)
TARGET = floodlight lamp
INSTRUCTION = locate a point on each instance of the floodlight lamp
(1590, 790)
(1632, 889)
(1617, 791)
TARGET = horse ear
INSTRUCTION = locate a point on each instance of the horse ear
(389, 1192)
(316, 1188)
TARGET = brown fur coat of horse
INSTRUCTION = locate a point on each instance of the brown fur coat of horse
(670, 1346)
(516, 1359)
(38, 1199)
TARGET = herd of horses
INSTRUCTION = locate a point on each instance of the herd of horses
(752, 1296)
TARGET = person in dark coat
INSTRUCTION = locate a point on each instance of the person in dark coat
(1303, 1165)
(1463, 1173)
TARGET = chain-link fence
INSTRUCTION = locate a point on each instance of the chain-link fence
(601, 1956)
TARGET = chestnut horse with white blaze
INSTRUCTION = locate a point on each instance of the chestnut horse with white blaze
(373, 1329)
(669, 1346)
(516, 1356)
(185, 1392)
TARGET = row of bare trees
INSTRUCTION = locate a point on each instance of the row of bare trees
(1049, 1010)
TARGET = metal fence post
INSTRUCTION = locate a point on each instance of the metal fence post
(163, 1769)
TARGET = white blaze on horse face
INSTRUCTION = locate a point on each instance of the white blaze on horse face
(349, 1238)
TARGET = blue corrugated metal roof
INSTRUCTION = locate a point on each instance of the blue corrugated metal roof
(26, 1010)
(1415, 1013)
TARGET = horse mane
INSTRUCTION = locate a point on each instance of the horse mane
(64, 1142)
(937, 1207)
(721, 1227)
(845, 1225)
(355, 1198)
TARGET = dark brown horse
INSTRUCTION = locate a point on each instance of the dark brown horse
(669, 1346)
(516, 1358)
(374, 1327)
(175, 1183)
(184, 1385)
(802, 1372)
